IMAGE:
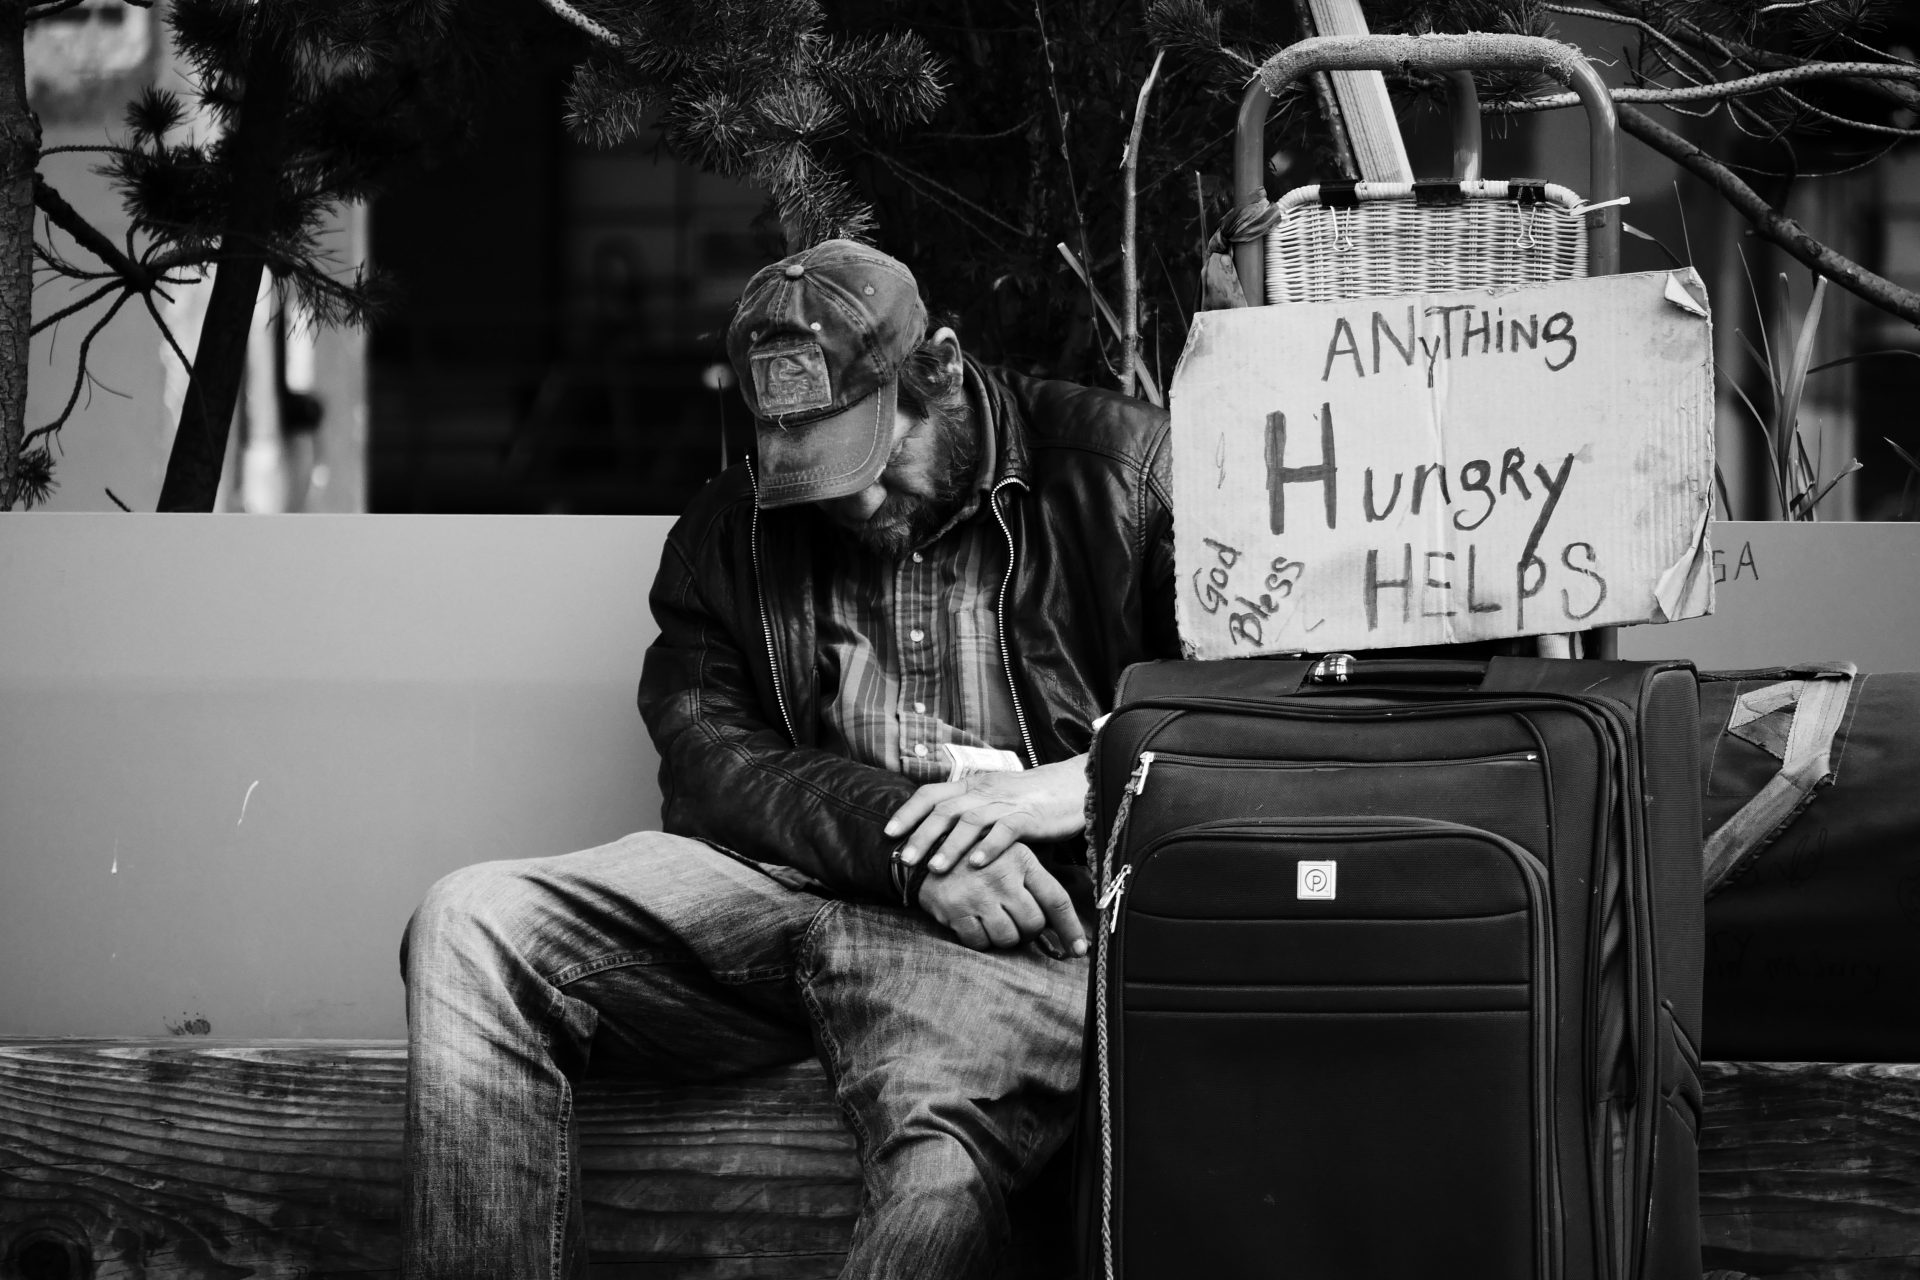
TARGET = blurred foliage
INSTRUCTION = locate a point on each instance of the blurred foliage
(974, 137)
(970, 139)
(373, 85)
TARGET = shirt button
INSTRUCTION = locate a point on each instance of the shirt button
(919, 708)
(916, 635)
(919, 748)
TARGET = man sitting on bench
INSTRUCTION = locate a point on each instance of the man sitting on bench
(879, 664)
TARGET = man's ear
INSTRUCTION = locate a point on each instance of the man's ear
(949, 343)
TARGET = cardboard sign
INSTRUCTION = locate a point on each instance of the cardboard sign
(1445, 467)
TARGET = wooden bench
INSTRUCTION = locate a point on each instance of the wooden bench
(187, 1157)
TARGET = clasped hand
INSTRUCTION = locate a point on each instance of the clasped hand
(991, 900)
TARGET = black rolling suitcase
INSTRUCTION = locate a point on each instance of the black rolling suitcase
(1397, 976)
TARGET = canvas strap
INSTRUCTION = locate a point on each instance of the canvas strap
(1220, 283)
(1819, 705)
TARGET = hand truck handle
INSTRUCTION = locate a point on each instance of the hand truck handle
(1438, 53)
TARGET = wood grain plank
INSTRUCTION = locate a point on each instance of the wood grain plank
(1812, 1169)
(282, 1159)
(176, 1159)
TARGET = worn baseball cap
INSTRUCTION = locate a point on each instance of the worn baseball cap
(818, 342)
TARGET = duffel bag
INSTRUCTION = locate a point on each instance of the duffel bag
(1811, 813)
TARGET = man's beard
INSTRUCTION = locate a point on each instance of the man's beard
(905, 520)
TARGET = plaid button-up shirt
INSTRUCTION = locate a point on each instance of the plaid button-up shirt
(912, 647)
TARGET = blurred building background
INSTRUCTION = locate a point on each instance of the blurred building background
(555, 344)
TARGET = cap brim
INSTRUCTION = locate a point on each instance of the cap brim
(828, 458)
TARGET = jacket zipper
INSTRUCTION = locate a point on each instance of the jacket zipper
(760, 598)
(1000, 620)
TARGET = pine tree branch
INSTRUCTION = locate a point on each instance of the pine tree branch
(1719, 90)
(47, 322)
(71, 148)
(1848, 122)
(941, 193)
(1771, 224)
(1858, 43)
(50, 7)
(81, 374)
(1890, 88)
(1181, 169)
(66, 270)
(1025, 123)
(1084, 271)
(174, 259)
(167, 333)
(1796, 175)
(88, 236)
(569, 14)
(1644, 27)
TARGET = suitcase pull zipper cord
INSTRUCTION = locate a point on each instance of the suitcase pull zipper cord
(1113, 889)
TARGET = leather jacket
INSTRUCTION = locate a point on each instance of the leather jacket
(730, 691)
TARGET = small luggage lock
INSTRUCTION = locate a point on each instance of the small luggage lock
(1334, 668)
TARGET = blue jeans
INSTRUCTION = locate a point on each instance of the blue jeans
(659, 956)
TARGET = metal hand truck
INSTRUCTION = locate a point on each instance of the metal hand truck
(1362, 239)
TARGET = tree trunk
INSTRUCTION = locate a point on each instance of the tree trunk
(19, 158)
(220, 360)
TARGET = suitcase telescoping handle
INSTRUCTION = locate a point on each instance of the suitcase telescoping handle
(1446, 55)
(1344, 668)
(1241, 678)
(1171, 682)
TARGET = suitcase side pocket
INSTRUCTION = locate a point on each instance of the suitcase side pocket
(1672, 1243)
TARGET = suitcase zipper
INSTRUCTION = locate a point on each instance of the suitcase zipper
(1234, 762)
(1111, 890)
(1642, 1044)
(1539, 891)
(1110, 900)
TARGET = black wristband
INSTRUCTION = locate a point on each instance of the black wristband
(915, 878)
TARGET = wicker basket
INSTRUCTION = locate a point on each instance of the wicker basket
(1366, 239)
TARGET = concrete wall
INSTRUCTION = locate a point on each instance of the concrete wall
(235, 750)
(1827, 592)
